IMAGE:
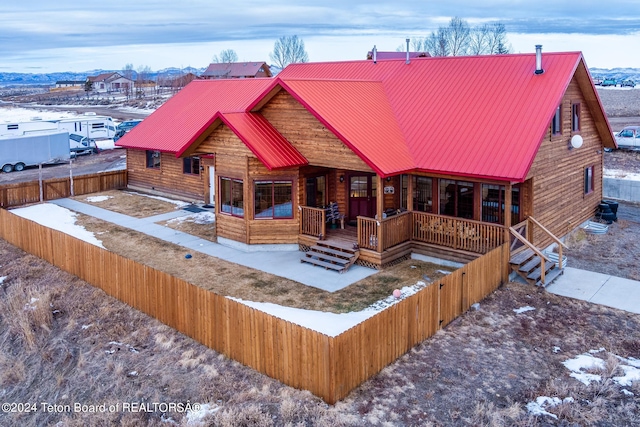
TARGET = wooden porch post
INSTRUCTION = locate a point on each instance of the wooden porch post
(409, 192)
(507, 211)
(379, 208)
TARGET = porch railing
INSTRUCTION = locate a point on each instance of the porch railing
(381, 235)
(457, 233)
(313, 221)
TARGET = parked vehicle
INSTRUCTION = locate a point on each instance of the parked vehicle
(628, 83)
(22, 128)
(79, 144)
(629, 137)
(125, 127)
(609, 82)
(19, 151)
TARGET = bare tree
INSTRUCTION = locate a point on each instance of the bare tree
(227, 56)
(458, 36)
(479, 40)
(497, 43)
(142, 79)
(288, 50)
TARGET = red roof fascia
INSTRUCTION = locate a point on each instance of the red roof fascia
(268, 145)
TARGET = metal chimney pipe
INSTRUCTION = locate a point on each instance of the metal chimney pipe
(407, 61)
(539, 69)
(375, 54)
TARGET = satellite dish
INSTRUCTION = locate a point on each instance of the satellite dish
(576, 141)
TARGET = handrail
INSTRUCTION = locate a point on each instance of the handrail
(543, 258)
(312, 221)
(534, 221)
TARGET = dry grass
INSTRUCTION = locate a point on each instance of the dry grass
(614, 253)
(481, 370)
(129, 203)
(229, 279)
(196, 227)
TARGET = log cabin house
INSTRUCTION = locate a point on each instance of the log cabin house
(438, 156)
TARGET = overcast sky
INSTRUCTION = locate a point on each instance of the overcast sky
(82, 35)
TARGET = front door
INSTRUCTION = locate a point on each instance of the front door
(212, 185)
(362, 195)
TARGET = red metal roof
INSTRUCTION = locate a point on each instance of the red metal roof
(182, 119)
(480, 116)
(269, 146)
(475, 116)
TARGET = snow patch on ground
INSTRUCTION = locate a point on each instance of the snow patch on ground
(620, 174)
(331, 324)
(96, 199)
(18, 114)
(542, 403)
(198, 218)
(58, 218)
(523, 309)
(199, 415)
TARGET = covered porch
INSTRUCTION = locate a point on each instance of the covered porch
(440, 217)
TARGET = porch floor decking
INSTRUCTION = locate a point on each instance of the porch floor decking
(346, 237)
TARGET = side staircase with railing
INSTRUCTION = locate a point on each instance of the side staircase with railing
(530, 262)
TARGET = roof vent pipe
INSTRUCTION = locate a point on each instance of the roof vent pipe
(407, 52)
(539, 69)
(375, 54)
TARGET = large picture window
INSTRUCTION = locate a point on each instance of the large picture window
(493, 204)
(273, 199)
(153, 159)
(456, 198)
(231, 196)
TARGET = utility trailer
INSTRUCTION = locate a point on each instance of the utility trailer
(19, 151)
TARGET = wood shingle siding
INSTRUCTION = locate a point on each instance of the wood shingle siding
(314, 141)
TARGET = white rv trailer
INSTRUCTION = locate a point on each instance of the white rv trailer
(23, 128)
(89, 125)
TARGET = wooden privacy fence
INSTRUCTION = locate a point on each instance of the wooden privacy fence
(329, 367)
(23, 193)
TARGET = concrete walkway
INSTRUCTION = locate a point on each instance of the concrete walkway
(280, 263)
(598, 288)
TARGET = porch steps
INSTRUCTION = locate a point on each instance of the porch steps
(331, 256)
(529, 266)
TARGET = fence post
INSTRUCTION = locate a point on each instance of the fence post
(40, 181)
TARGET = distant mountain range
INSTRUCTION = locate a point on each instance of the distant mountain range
(11, 79)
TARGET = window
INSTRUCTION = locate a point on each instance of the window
(153, 159)
(575, 117)
(493, 204)
(15, 127)
(273, 199)
(588, 180)
(422, 194)
(316, 188)
(456, 198)
(97, 125)
(556, 122)
(231, 196)
(191, 165)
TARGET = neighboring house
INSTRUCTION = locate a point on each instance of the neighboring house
(145, 86)
(438, 156)
(236, 70)
(110, 83)
(176, 82)
(69, 85)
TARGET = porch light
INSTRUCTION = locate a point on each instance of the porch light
(341, 178)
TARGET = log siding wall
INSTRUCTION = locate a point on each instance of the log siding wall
(557, 173)
(168, 179)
